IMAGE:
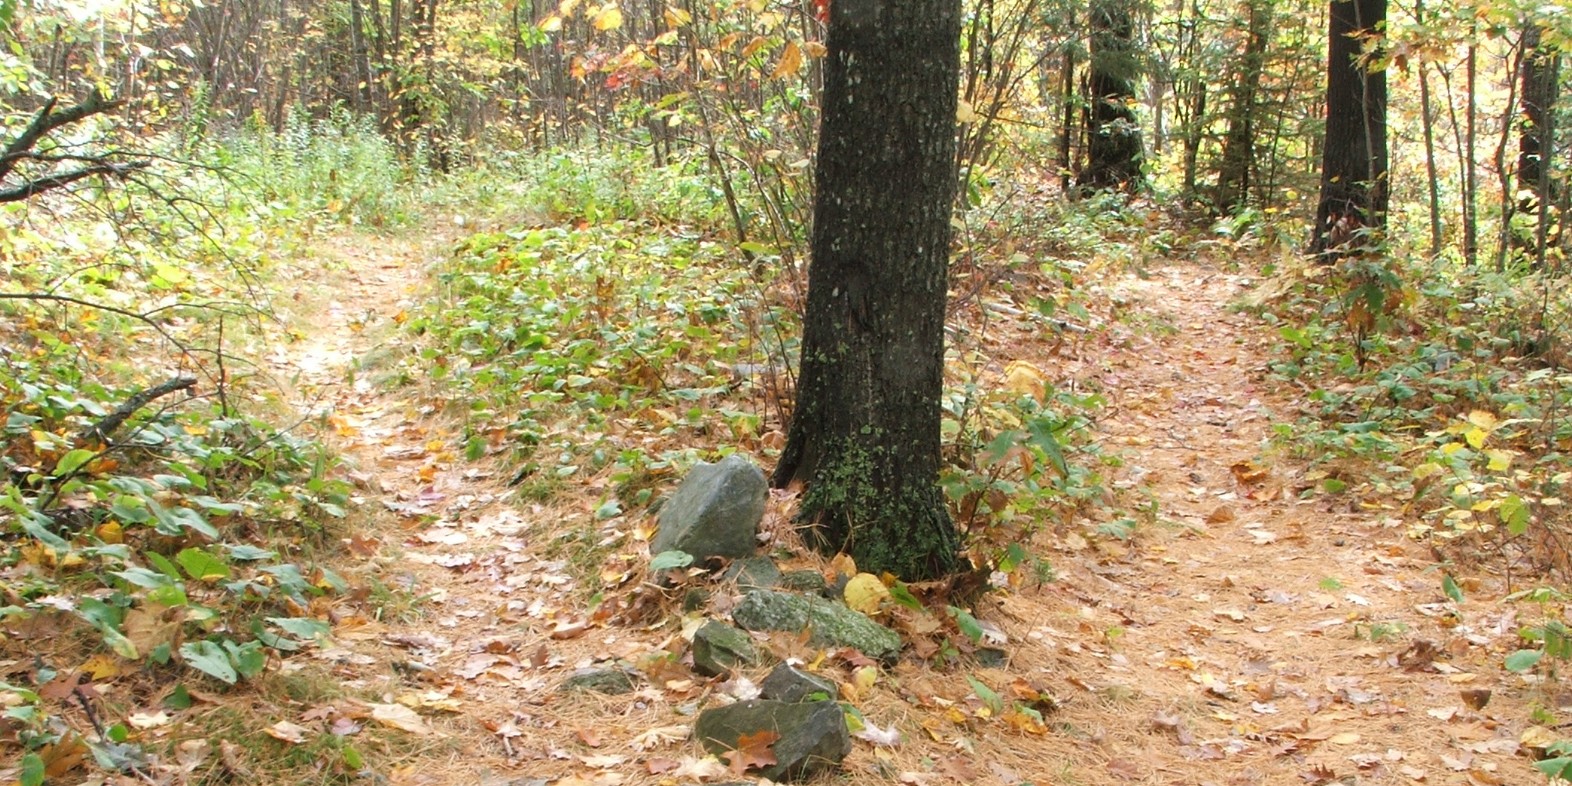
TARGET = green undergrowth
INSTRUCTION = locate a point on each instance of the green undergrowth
(1437, 396)
(185, 549)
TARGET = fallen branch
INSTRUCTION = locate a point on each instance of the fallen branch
(104, 428)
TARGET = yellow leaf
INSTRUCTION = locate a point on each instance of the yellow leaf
(550, 24)
(676, 17)
(1475, 437)
(791, 61)
(609, 18)
(865, 593)
(101, 667)
(754, 46)
(864, 678)
(1344, 738)
(567, 7)
(1024, 379)
(964, 113)
(816, 49)
(1499, 460)
(1425, 470)
(1482, 419)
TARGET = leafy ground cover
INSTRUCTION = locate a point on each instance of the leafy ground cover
(508, 383)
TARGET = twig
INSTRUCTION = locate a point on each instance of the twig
(104, 428)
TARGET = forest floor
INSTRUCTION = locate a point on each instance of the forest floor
(1244, 635)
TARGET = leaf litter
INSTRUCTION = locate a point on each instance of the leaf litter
(1224, 636)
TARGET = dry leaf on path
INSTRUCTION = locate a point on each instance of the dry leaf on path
(753, 750)
(292, 733)
(401, 717)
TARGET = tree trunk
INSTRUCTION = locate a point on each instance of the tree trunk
(1113, 157)
(1541, 67)
(1233, 176)
(1067, 118)
(1354, 174)
(865, 434)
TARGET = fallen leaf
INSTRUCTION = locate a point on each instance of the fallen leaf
(753, 750)
(401, 717)
(1344, 738)
(887, 737)
(292, 733)
(660, 735)
(603, 761)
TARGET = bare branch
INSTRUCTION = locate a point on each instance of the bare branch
(32, 188)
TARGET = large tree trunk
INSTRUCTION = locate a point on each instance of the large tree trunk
(1354, 183)
(1541, 67)
(1113, 157)
(865, 434)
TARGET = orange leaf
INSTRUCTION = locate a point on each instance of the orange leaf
(753, 750)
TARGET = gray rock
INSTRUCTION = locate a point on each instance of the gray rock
(718, 648)
(753, 573)
(608, 681)
(990, 657)
(715, 512)
(813, 736)
(830, 624)
(802, 581)
(792, 685)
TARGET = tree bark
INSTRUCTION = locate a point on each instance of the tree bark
(1114, 137)
(1541, 71)
(865, 434)
(1354, 176)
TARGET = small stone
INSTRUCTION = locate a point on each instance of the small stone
(793, 685)
(695, 599)
(719, 648)
(753, 573)
(990, 657)
(802, 581)
(608, 681)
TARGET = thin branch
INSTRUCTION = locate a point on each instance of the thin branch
(32, 188)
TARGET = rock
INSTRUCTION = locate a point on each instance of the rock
(608, 681)
(831, 624)
(718, 648)
(813, 736)
(836, 590)
(802, 581)
(715, 512)
(695, 598)
(990, 657)
(753, 573)
(793, 685)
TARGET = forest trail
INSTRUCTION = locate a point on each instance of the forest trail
(1244, 636)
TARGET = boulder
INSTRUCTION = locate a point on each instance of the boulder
(830, 624)
(793, 685)
(718, 648)
(803, 581)
(715, 512)
(813, 736)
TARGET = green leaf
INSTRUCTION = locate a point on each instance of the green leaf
(1013, 557)
(73, 461)
(210, 659)
(1559, 767)
(201, 565)
(301, 628)
(1515, 513)
(1523, 660)
(902, 595)
(247, 553)
(352, 758)
(967, 623)
(609, 509)
(179, 698)
(987, 695)
(163, 564)
(1044, 439)
(1449, 586)
(249, 658)
(32, 773)
(669, 560)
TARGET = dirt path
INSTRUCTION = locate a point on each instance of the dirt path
(1244, 637)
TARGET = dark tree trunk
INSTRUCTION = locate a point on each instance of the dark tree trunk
(1233, 176)
(1067, 124)
(1113, 153)
(1541, 67)
(1354, 183)
(865, 434)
